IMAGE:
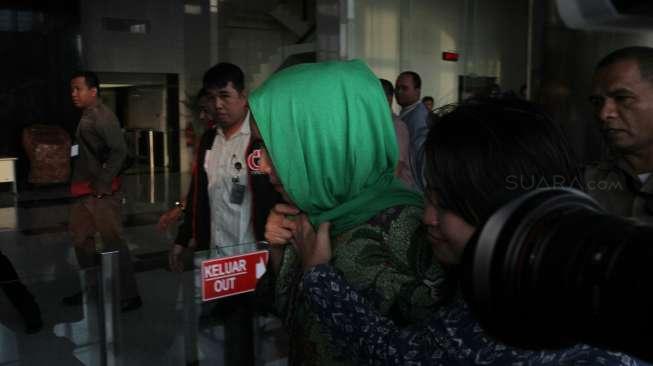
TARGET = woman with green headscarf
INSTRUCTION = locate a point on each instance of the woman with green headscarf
(331, 150)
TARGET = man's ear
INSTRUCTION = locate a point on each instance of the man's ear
(94, 91)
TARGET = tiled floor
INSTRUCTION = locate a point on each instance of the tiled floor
(167, 330)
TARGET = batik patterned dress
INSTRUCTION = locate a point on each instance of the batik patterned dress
(450, 337)
(387, 259)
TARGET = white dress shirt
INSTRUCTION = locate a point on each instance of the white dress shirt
(231, 223)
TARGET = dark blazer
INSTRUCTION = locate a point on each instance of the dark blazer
(102, 148)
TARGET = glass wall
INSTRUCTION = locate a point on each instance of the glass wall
(490, 36)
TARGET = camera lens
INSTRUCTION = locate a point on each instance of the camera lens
(551, 269)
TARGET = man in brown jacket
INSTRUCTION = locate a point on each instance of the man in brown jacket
(102, 150)
(622, 96)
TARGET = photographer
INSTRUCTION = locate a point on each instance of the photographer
(480, 156)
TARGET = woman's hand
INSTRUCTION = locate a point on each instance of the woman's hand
(313, 248)
(279, 228)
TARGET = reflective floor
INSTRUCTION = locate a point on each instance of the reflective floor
(172, 327)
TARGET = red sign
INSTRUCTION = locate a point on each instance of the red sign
(450, 56)
(227, 276)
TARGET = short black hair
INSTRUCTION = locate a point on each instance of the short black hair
(643, 56)
(221, 74)
(388, 89)
(417, 81)
(428, 97)
(90, 79)
(201, 94)
(485, 152)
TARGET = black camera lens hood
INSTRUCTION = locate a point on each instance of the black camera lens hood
(500, 238)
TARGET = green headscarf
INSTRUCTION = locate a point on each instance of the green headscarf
(328, 130)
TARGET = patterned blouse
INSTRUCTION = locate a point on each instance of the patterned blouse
(451, 337)
(387, 258)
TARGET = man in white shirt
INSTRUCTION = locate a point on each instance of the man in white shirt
(219, 212)
(229, 194)
(219, 202)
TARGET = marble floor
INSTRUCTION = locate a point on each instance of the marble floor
(171, 328)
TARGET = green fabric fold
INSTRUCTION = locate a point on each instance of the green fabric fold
(328, 130)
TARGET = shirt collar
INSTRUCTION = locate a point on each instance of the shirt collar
(91, 106)
(409, 108)
(244, 128)
(632, 178)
